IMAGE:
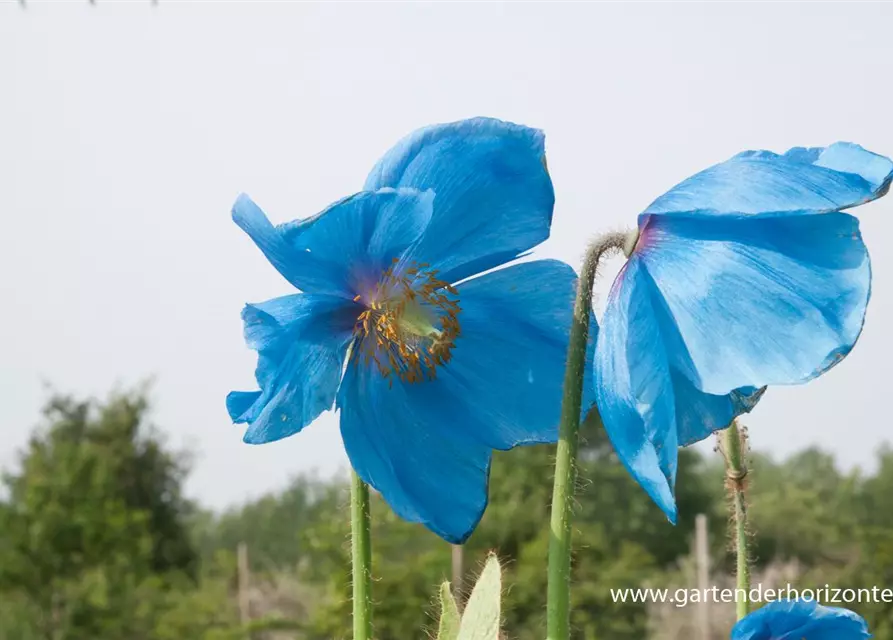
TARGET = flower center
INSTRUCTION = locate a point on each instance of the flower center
(410, 323)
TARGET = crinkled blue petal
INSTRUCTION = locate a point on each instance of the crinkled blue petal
(361, 236)
(758, 300)
(700, 414)
(800, 620)
(239, 403)
(648, 406)
(426, 446)
(494, 196)
(301, 341)
(300, 269)
(344, 249)
(506, 372)
(428, 472)
(819, 180)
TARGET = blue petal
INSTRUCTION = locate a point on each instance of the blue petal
(758, 300)
(300, 269)
(428, 472)
(360, 236)
(238, 403)
(301, 341)
(634, 389)
(494, 197)
(346, 247)
(647, 404)
(508, 364)
(818, 180)
(801, 620)
(700, 414)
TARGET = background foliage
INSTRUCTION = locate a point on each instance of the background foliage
(98, 542)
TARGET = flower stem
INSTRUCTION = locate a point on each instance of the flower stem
(733, 446)
(361, 556)
(558, 595)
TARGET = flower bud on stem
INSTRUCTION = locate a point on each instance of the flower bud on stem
(558, 607)
(733, 445)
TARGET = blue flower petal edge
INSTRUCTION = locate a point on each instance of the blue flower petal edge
(819, 179)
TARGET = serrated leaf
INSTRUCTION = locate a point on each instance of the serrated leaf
(482, 613)
(448, 629)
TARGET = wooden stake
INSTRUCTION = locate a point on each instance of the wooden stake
(458, 571)
(702, 562)
(244, 584)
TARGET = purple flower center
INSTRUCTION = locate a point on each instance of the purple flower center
(409, 325)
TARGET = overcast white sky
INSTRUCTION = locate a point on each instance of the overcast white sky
(127, 130)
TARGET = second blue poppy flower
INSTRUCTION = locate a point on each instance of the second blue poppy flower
(745, 275)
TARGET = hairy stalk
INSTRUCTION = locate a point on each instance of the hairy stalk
(361, 556)
(558, 607)
(733, 444)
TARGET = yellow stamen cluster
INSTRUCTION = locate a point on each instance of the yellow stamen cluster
(398, 331)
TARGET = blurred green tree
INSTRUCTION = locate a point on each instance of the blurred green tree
(94, 523)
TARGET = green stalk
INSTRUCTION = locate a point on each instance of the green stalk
(361, 556)
(558, 594)
(733, 448)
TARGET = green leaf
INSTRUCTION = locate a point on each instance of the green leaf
(482, 614)
(448, 629)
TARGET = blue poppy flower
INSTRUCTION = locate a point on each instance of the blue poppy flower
(745, 275)
(800, 620)
(431, 370)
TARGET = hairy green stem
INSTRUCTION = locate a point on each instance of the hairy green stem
(361, 556)
(734, 447)
(558, 595)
